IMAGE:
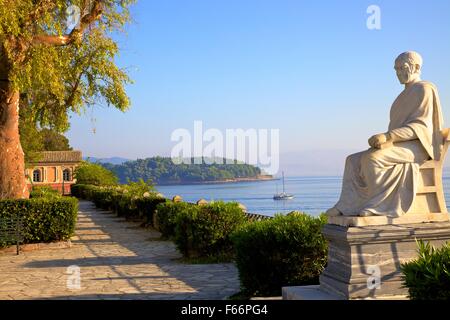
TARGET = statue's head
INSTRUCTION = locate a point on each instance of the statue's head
(408, 66)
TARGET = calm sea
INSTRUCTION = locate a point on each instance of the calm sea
(313, 195)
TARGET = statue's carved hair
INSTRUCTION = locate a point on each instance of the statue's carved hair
(411, 57)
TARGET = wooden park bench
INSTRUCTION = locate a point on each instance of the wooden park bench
(11, 231)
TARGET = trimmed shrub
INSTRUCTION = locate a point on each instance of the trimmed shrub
(82, 191)
(428, 276)
(204, 231)
(44, 192)
(103, 197)
(137, 200)
(146, 207)
(165, 217)
(284, 251)
(45, 220)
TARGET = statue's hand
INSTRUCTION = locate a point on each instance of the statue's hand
(377, 140)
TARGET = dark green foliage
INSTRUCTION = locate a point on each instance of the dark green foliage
(54, 141)
(136, 200)
(147, 207)
(164, 171)
(34, 140)
(165, 217)
(82, 191)
(94, 174)
(103, 198)
(44, 192)
(45, 220)
(428, 277)
(204, 231)
(284, 251)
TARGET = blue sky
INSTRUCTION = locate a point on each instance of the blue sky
(309, 68)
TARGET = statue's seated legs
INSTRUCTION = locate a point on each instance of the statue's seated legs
(377, 181)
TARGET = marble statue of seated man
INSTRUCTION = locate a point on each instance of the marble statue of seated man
(382, 180)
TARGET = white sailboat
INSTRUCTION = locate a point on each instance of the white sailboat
(283, 195)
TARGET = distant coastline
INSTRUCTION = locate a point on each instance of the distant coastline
(164, 171)
(234, 180)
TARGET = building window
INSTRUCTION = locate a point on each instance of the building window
(66, 175)
(37, 176)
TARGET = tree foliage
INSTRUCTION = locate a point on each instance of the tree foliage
(34, 139)
(94, 174)
(80, 71)
(54, 141)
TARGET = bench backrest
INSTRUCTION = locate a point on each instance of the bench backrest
(11, 229)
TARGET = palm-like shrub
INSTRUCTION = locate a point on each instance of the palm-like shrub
(428, 276)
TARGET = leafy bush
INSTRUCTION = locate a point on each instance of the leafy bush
(428, 277)
(139, 188)
(44, 192)
(284, 251)
(204, 231)
(146, 207)
(165, 217)
(137, 200)
(82, 191)
(45, 220)
(94, 174)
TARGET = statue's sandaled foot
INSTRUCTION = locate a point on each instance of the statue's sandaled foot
(366, 214)
(333, 212)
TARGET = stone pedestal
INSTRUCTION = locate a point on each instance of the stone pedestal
(364, 262)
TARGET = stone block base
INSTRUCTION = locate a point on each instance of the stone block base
(316, 293)
(364, 262)
(346, 221)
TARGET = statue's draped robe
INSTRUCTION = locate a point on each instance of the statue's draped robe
(384, 181)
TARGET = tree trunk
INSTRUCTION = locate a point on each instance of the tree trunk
(12, 166)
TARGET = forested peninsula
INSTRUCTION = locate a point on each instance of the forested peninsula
(163, 171)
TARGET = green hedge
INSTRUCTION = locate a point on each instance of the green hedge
(45, 220)
(133, 201)
(147, 207)
(428, 277)
(284, 251)
(82, 191)
(165, 217)
(204, 231)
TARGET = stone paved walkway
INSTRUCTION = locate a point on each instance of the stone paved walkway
(117, 260)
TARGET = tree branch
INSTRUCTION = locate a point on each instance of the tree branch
(77, 33)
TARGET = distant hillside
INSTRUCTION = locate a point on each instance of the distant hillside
(164, 171)
(112, 160)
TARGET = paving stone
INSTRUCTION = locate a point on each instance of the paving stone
(116, 261)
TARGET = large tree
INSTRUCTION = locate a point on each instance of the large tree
(53, 70)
